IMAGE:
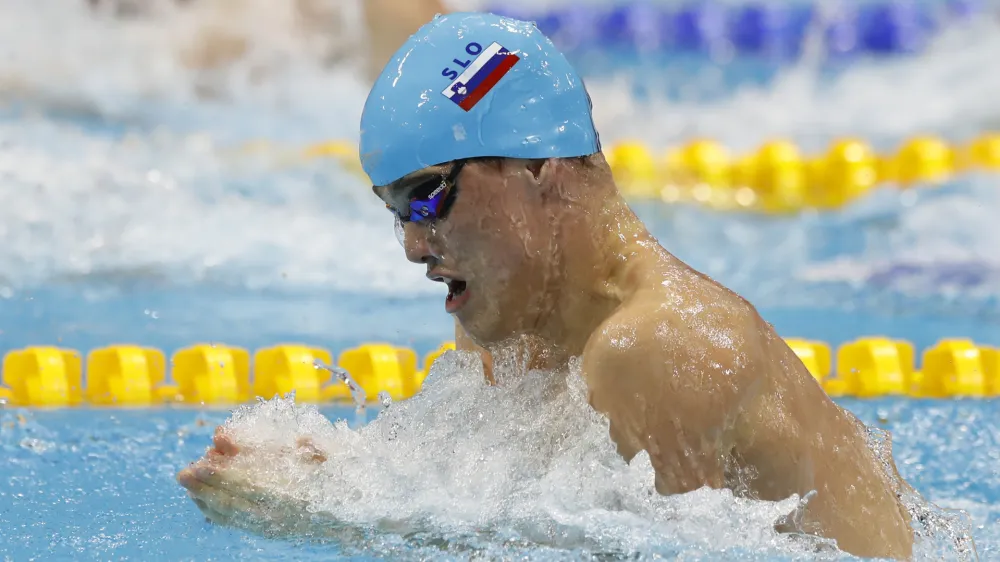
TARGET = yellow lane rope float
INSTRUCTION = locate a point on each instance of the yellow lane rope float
(218, 374)
(777, 178)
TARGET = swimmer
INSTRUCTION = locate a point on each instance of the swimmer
(390, 23)
(224, 31)
(478, 136)
(327, 25)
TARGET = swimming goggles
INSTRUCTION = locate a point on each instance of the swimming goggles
(429, 199)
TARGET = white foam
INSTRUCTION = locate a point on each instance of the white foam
(933, 244)
(81, 204)
(463, 458)
(171, 210)
(880, 98)
(531, 460)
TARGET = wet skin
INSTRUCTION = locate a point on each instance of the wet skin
(552, 264)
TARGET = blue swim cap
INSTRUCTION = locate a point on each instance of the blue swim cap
(474, 84)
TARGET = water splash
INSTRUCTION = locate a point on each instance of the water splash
(357, 393)
(941, 532)
(524, 468)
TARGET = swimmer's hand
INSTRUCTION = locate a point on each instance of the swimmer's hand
(231, 488)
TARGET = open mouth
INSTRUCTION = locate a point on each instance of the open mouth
(456, 288)
(458, 291)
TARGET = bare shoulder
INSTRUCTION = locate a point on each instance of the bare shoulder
(673, 383)
(695, 360)
(695, 345)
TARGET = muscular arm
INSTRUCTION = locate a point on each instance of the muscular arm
(665, 392)
(698, 396)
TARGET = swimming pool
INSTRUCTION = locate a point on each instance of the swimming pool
(89, 485)
(131, 214)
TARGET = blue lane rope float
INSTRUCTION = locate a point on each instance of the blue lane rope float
(775, 29)
(218, 374)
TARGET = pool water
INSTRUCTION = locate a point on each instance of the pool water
(88, 485)
(132, 211)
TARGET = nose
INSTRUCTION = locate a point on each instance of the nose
(416, 243)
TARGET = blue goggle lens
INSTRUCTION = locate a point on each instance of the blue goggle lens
(429, 207)
(424, 208)
(427, 201)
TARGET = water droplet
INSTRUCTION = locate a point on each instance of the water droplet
(358, 393)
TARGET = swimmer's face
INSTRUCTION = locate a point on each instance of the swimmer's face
(493, 247)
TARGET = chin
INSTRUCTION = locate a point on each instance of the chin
(482, 327)
(492, 322)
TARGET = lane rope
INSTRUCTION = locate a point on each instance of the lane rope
(778, 177)
(218, 374)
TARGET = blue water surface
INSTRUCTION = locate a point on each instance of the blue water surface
(99, 484)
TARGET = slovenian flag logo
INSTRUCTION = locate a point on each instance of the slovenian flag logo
(480, 76)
